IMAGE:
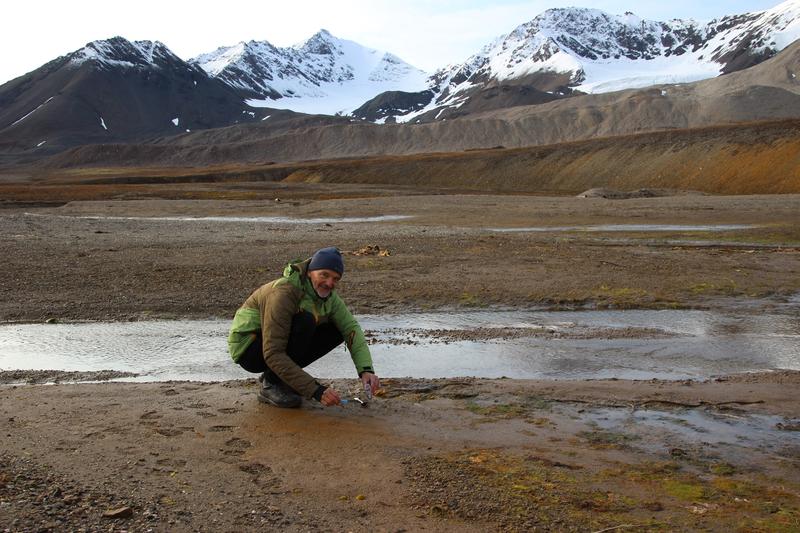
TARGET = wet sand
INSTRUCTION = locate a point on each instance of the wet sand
(428, 455)
(440, 455)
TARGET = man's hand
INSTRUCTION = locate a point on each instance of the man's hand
(330, 397)
(368, 378)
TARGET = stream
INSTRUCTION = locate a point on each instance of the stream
(629, 344)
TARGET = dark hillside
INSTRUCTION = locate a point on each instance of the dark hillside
(747, 158)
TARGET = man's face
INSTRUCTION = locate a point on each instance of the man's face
(324, 281)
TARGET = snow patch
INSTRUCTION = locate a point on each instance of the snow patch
(334, 98)
(32, 112)
(323, 75)
(215, 62)
(606, 75)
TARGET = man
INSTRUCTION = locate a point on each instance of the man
(291, 322)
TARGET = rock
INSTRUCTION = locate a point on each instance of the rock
(120, 512)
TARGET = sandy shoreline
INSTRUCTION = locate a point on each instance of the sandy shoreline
(429, 455)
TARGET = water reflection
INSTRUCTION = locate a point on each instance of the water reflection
(561, 345)
(271, 220)
(692, 425)
(628, 227)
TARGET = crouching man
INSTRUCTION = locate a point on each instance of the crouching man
(289, 323)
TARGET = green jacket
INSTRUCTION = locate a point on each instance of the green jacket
(270, 310)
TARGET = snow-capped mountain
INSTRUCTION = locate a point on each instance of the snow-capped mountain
(324, 74)
(116, 90)
(588, 50)
(119, 52)
(113, 90)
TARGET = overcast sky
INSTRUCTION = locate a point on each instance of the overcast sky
(426, 33)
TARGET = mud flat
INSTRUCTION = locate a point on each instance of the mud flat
(456, 454)
(441, 455)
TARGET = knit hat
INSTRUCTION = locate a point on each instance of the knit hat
(327, 259)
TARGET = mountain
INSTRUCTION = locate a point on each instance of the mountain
(564, 51)
(324, 74)
(548, 81)
(113, 91)
(769, 91)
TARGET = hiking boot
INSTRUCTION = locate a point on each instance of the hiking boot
(278, 394)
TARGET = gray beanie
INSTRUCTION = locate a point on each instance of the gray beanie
(327, 259)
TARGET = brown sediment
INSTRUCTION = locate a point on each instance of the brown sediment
(447, 455)
(63, 263)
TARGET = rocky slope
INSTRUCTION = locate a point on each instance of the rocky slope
(755, 158)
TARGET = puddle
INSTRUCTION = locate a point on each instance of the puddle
(270, 220)
(628, 227)
(697, 426)
(638, 344)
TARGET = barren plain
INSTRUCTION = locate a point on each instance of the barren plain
(427, 455)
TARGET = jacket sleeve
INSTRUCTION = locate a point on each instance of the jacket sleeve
(277, 310)
(353, 336)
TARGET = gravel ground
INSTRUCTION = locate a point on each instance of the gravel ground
(427, 455)
(61, 266)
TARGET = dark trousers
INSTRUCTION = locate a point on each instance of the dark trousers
(307, 343)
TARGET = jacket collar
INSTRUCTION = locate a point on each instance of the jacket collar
(297, 273)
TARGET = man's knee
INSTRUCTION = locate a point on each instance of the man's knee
(303, 323)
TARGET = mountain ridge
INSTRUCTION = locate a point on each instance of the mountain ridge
(322, 67)
(564, 50)
(735, 98)
(114, 90)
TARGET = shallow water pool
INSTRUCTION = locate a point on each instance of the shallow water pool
(537, 344)
(269, 220)
(627, 227)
